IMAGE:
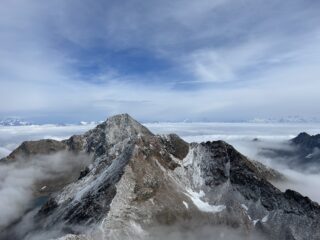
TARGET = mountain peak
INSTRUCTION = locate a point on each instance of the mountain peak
(126, 123)
(118, 128)
(303, 134)
(304, 139)
(121, 116)
(301, 138)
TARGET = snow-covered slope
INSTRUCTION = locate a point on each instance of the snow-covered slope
(138, 182)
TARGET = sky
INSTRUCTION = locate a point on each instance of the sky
(169, 60)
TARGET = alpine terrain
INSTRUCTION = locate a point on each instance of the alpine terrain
(137, 185)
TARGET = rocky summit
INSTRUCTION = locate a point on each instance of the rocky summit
(137, 185)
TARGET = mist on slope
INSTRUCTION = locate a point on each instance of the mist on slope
(17, 179)
(20, 179)
(190, 232)
(305, 180)
(172, 232)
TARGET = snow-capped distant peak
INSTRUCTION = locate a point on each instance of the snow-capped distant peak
(14, 122)
(286, 119)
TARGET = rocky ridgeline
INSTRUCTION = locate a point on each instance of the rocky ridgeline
(137, 181)
(301, 153)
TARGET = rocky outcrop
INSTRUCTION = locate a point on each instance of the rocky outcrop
(139, 181)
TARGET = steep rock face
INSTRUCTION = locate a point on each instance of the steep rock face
(227, 176)
(138, 181)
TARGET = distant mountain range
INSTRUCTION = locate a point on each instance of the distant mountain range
(14, 122)
(287, 119)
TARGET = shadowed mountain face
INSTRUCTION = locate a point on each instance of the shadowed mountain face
(302, 153)
(137, 184)
(307, 141)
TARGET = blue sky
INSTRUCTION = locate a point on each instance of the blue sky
(219, 60)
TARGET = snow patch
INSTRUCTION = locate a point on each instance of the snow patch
(137, 228)
(160, 166)
(192, 163)
(265, 218)
(176, 160)
(244, 207)
(185, 204)
(202, 205)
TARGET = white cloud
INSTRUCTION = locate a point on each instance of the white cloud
(220, 65)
